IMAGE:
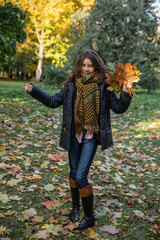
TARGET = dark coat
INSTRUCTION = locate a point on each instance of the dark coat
(108, 100)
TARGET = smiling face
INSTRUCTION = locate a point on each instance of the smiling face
(87, 67)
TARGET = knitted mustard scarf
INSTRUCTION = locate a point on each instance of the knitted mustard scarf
(87, 104)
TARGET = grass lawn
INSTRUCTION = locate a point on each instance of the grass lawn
(34, 189)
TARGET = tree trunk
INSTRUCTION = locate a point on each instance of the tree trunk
(17, 74)
(40, 62)
(41, 48)
(10, 75)
(22, 75)
(27, 76)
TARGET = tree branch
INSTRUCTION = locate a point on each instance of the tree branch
(35, 24)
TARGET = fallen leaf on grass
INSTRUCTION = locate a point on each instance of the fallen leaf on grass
(132, 186)
(4, 198)
(150, 219)
(51, 220)
(154, 167)
(55, 168)
(22, 146)
(62, 193)
(41, 234)
(2, 148)
(9, 213)
(111, 229)
(13, 182)
(3, 165)
(47, 204)
(71, 226)
(2, 134)
(1, 215)
(91, 234)
(57, 157)
(45, 164)
(2, 175)
(101, 211)
(3, 229)
(54, 229)
(116, 166)
(16, 168)
(15, 198)
(29, 213)
(38, 219)
(49, 187)
(35, 177)
(139, 213)
(156, 228)
(18, 153)
(108, 202)
(57, 202)
(116, 215)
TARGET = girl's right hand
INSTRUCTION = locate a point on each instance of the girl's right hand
(28, 87)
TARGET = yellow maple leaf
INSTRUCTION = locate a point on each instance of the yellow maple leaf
(3, 229)
(2, 148)
(45, 226)
(91, 233)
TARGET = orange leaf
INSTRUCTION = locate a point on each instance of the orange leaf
(16, 168)
(47, 204)
(18, 153)
(123, 74)
(154, 167)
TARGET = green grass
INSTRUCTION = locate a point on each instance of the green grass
(125, 177)
(11, 90)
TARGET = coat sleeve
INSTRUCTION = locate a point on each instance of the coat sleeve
(119, 105)
(53, 101)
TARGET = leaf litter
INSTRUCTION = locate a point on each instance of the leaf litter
(35, 192)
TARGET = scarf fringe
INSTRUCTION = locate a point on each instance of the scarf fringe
(90, 129)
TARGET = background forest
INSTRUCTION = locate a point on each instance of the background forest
(41, 39)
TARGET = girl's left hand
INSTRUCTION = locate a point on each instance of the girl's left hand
(126, 87)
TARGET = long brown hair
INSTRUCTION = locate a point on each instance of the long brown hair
(97, 62)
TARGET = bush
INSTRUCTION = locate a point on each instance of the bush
(149, 77)
(54, 76)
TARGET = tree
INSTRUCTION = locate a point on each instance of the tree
(77, 36)
(12, 20)
(25, 61)
(49, 21)
(123, 31)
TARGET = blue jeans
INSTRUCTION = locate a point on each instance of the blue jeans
(80, 159)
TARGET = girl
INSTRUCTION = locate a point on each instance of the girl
(86, 123)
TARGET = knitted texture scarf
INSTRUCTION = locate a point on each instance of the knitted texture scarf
(87, 105)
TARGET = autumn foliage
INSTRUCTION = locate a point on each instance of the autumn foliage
(123, 73)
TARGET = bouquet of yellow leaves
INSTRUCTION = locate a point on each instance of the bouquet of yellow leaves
(118, 75)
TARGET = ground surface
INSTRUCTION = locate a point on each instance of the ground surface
(34, 189)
